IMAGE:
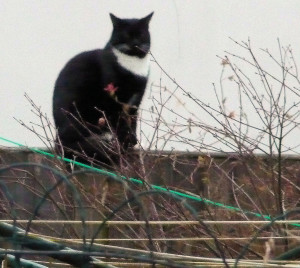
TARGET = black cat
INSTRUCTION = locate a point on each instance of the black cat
(97, 94)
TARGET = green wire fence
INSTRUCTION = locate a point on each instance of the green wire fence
(70, 256)
(138, 181)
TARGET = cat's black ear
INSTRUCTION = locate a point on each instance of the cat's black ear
(147, 18)
(115, 20)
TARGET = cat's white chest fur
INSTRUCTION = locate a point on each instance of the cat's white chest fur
(133, 64)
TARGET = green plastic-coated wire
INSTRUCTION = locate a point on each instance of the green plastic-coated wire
(138, 181)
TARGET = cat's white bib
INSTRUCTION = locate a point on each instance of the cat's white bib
(133, 64)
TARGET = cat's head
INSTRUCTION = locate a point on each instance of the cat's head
(131, 36)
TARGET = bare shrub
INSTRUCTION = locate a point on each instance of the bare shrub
(242, 154)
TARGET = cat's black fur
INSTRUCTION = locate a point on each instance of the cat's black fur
(82, 91)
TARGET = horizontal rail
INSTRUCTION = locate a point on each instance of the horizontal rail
(184, 154)
(185, 239)
(149, 222)
(174, 257)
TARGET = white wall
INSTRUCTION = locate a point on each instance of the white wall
(38, 37)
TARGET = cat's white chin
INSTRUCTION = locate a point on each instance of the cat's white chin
(133, 64)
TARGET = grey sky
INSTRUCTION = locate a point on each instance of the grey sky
(38, 37)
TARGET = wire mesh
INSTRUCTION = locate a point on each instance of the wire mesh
(86, 219)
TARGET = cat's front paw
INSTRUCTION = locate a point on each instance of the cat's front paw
(138, 147)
